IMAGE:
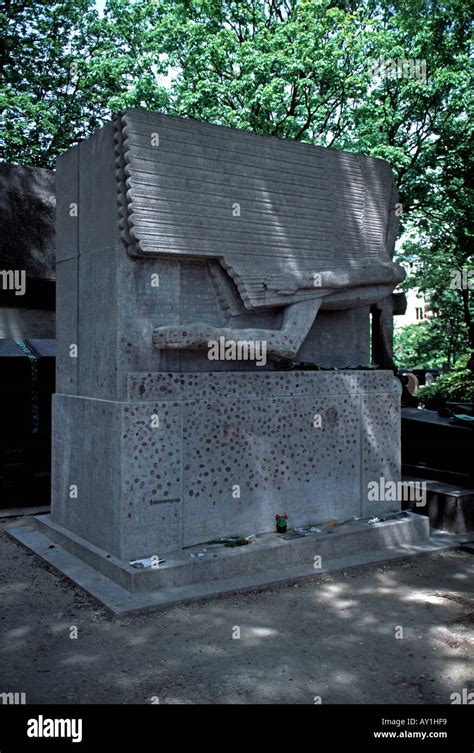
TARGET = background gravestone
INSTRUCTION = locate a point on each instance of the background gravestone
(27, 250)
(27, 244)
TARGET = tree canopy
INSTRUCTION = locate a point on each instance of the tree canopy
(389, 79)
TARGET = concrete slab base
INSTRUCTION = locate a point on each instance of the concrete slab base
(270, 560)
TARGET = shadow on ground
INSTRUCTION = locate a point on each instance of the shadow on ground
(395, 633)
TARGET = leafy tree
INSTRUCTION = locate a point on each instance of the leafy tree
(331, 72)
(456, 386)
(45, 105)
(436, 342)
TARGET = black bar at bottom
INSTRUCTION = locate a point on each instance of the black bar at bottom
(87, 728)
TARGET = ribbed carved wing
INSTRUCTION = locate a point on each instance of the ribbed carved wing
(288, 221)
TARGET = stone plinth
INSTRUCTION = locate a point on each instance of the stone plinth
(188, 458)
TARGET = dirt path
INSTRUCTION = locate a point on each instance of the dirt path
(332, 637)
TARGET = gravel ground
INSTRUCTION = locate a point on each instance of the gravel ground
(333, 637)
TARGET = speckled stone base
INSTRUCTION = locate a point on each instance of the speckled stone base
(192, 457)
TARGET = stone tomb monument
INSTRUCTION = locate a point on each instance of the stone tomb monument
(194, 261)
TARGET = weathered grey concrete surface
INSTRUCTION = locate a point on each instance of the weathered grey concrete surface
(144, 268)
(449, 507)
(308, 210)
(332, 637)
(144, 489)
(318, 229)
(193, 574)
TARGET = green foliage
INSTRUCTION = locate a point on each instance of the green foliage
(416, 347)
(458, 385)
(45, 106)
(433, 343)
(296, 69)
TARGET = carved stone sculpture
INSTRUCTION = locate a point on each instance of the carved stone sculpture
(282, 225)
(172, 234)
